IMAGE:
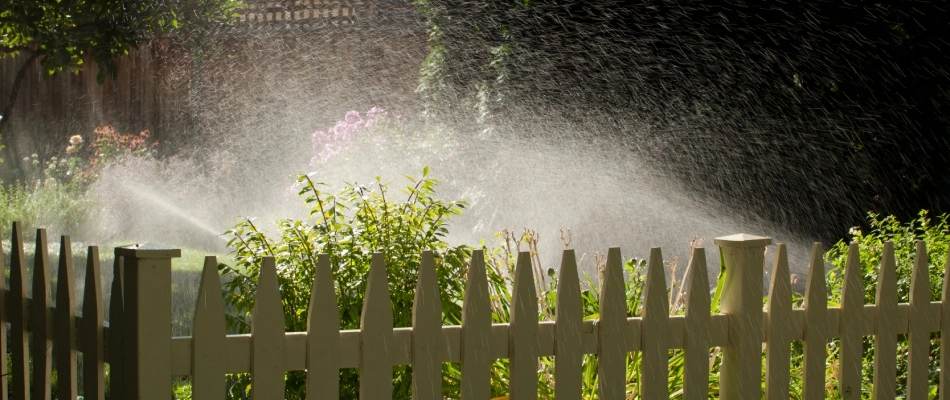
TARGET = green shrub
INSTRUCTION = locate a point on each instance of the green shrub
(51, 205)
(350, 226)
(935, 233)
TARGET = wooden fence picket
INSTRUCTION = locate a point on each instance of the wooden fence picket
(3, 318)
(93, 343)
(816, 328)
(696, 336)
(40, 351)
(209, 353)
(323, 335)
(19, 338)
(267, 336)
(852, 327)
(918, 334)
(476, 332)
(612, 328)
(65, 328)
(523, 332)
(944, 336)
(115, 341)
(568, 323)
(779, 328)
(655, 331)
(376, 334)
(885, 332)
(427, 342)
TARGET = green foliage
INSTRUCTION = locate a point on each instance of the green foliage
(54, 191)
(935, 233)
(64, 33)
(350, 226)
(58, 207)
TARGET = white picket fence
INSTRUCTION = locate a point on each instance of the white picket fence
(144, 357)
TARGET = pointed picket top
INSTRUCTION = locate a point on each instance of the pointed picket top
(20, 373)
(816, 331)
(918, 334)
(612, 328)
(376, 326)
(323, 335)
(427, 340)
(945, 338)
(116, 327)
(655, 330)
(852, 327)
(885, 334)
(66, 387)
(523, 332)
(568, 324)
(476, 332)
(39, 320)
(696, 335)
(93, 346)
(209, 354)
(778, 328)
(267, 336)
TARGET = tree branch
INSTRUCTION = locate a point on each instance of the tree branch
(15, 89)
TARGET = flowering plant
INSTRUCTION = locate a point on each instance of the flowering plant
(84, 160)
(331, 142)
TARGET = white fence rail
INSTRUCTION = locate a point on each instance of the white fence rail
(144, 357)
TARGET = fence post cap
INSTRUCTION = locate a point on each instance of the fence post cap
(742, 240)
(147, 250)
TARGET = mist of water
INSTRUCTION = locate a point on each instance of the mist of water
(256, 106)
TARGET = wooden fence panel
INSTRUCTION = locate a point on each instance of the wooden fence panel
(523, 332)
(696, 335)
(568, 323)
(655, 331)
(267, 336)
(945, 334)
(816, 328)
(209, 354)
(476, 343)
(885, 332)
(93, 346)
(851, 327)
(779, 328)
(918, 333)
(427, 340)
(475, 334)
(19, 339)
(3, 318)
(323, 335)
(612, 328)
(65, 328)
(376, 334)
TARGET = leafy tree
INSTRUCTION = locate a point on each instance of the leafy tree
(64, 34)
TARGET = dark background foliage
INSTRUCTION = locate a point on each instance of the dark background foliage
(832, 108)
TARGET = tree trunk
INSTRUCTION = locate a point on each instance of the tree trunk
(7, 111)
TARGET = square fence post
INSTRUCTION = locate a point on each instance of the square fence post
(146, 323)
(741, 372)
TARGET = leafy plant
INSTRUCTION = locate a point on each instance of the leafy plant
(350, 226)
(935, 233)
